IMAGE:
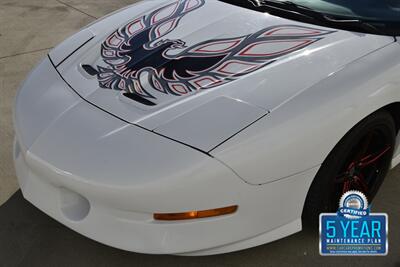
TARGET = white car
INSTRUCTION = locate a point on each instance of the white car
(197, 127)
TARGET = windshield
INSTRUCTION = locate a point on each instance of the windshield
(384, 15)
(377, 10)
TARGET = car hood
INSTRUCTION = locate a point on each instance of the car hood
(200, 71)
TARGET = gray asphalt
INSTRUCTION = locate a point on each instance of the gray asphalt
(28, 30)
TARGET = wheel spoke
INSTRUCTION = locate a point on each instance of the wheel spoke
(364, 146)
(370, 159)
(352, 164)
(359, 180)
(363, 165)
(346, 186)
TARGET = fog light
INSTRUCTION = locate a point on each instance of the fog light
(195, 214)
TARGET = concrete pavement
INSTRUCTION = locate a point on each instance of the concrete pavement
(28, 29)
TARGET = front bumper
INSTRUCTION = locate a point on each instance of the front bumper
(104, 179)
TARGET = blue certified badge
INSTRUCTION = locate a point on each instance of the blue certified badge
(353, 230)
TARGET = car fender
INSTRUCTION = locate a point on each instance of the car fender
(300, 133)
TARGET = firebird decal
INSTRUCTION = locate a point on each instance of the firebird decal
(138, 60)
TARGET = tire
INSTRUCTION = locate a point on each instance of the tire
(377, 131)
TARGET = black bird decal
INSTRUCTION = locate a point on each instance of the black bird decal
(139, 60)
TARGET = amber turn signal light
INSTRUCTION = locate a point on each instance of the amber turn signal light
(194, 214)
